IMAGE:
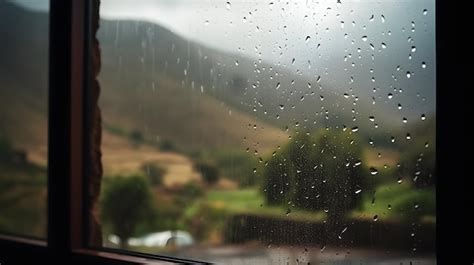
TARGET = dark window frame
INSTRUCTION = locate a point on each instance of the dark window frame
(69, 83)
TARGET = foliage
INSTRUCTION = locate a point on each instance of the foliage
(208, 170)
(419, 164)
(316, 171)
(154, 172)
(236, 165)
(399, 202)
(126, 203)
(136, 137)
(167, 145)
(192, 190)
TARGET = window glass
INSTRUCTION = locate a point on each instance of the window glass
(23, 117)
(269, 132)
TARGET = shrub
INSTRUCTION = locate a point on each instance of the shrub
(154, 172)
(208, 170)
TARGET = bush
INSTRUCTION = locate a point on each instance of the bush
(136, 137)
(126, 203)
(154, 172)
(192, 190)
(208, 170)
(167, 145)
(238, 166)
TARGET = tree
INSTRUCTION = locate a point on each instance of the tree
(317, 171)
(277, 179)
(208, 170)
(136, 137)
(126, 203)
(154, 172)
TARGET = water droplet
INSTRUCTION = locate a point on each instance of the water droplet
(277, 85)
(307, 39)
(404, 120)
(425, 11)
(293, 61)
(288, 211)
(364, 38)
(357, 163)
(408, 74)
(236, 63)
(323, 247)
(358, 191)
(227, 5)
(382, 17)
(399, 106)
(206, 22)
(413, 49)
(282, 107)
(390, 96)
(408, 136)
(371, 18)
(244, 19)
(423, 65)
(355, 129)
(371, 118)
(423, 117)
(376, 217)
(373, 171)
(254, 170)
(389, 207)
(384, 45)
(342, 24)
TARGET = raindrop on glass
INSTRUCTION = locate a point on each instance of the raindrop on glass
(373, 171)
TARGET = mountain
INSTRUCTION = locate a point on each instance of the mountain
(167, 87)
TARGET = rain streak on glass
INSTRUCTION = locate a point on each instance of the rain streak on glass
(249, 121)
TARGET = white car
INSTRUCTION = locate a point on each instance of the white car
(159, 239)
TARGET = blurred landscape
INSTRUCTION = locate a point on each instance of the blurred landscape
(246, 155)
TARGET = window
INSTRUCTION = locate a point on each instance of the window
(23, 118)
(364, 207)
(269, 131)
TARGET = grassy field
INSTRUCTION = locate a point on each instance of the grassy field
(398, 202)
(23, 196)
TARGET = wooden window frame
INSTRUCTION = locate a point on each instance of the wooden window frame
(69, 85)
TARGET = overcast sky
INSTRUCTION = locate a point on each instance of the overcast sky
(385, 39)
